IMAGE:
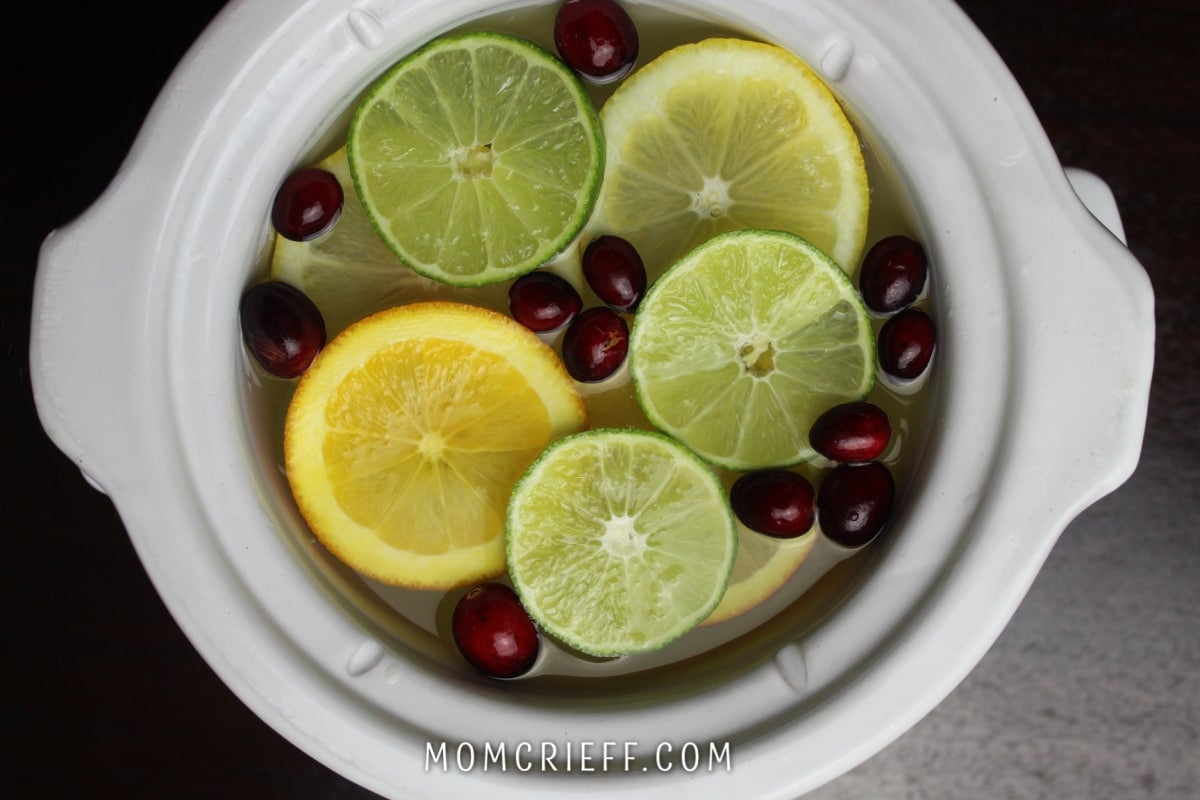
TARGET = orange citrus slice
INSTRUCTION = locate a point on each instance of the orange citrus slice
(404, 439)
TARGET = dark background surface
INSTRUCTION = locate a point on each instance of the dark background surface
(1093, 691)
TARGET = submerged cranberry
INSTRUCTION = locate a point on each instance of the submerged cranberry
(775, 502)
(596, 38)
(543, 301)
(854, 502)
(493, 631)
(851, 432)
(893, 274)
(615, 272)
(906, 344)
(282, 328)
(595, 344)
(307, 204)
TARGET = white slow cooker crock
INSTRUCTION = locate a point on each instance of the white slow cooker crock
(1046, 331)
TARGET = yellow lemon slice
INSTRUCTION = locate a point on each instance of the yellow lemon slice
(763, 565)
(727, 134)
(404, 439)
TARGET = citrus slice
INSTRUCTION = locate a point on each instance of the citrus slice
(350, 273)
(477, 158)
(619, 541)
(726, 134)
(743, 343)
(763, 564)
(405, 437)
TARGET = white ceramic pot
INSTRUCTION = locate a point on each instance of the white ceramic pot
(1046, 326)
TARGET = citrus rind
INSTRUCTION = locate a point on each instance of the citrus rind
(403, 440)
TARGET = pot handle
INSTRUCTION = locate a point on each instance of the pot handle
(1087, 335)
(80, 318)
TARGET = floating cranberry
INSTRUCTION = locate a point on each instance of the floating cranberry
(851, 432)
(615, 272)
(282, 328)
(307, 204)
(543, 301)
(906, 344)
(854, 502)
(893, 274)
(493, 631)
(596, 38)
(595, 344)
(775, 502)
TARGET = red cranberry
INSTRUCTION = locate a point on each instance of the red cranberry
(596, 38)
(615, 272)
(493, 631)
(775, 502)
(854, 502)
(543, 301)
(851, 432)
(595, 344)
(307, 204)
(282, 328)
(906, 344)
(893, 274)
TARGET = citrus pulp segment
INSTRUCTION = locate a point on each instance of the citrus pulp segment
(404, 439)
(726, 134)
(478, 158)
(743, 343)
(350, 273)
(619, 541)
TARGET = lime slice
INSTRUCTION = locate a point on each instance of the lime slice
(477, 158)
(726, 134)
(349, 273)
(619, 541)
(740, 346)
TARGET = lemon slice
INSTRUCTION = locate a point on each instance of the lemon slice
(477, 158)
(405, 437)
(726, 134)
(349, 273)
(763, 565)
(742, 344)
(619, 541)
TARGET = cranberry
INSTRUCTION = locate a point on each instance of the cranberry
(542, 301)
(893, 274)
(906, 344)
(596, 38)
(493, 631)
(282, 328)
(775, 502)
(854, 502)
(307, 204)
(851, 432)
(615, 272)
(595, 344)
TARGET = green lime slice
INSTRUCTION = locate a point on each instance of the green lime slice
(619, 541)
(742, 344)
(477, 158)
